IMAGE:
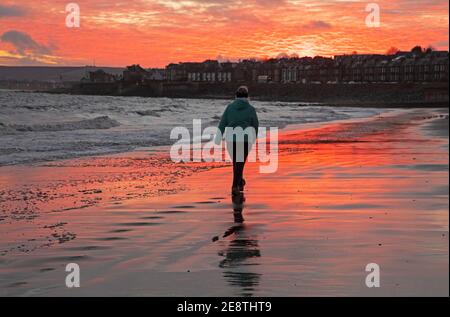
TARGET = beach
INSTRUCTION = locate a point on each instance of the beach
(346, 194)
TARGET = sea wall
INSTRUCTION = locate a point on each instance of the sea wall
(347, 94)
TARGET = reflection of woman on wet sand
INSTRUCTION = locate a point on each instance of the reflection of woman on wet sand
(239, 252)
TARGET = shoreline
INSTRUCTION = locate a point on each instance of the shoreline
(356, 104)
(370, 95)
(164, 147)
(309, 230)
(131, 148)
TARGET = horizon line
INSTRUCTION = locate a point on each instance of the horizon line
(260, 59)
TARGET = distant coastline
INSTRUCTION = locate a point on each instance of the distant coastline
(415, 78)
(433, 95)
(365, 95)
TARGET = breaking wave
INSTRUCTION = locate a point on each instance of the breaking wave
(99, 123)
(38, 127)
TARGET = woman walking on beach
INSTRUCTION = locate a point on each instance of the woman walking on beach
(239, 124)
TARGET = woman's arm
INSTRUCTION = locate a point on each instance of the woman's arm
(221, 128)
(255, 122)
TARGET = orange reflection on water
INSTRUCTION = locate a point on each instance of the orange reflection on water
(343, 196)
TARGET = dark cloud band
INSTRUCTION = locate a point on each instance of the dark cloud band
(11, 11)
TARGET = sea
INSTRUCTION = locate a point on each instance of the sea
(40, 127)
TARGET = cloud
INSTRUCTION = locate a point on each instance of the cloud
(318, 25)
(11, 11)
(24, 43)
(22, 49)
(158, 32)
(441, 44)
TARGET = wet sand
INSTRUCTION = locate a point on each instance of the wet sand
(345, 195)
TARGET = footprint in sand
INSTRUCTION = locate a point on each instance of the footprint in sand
(18, 284)
(151, 218)
(111, 239)
(139, 224)
(46, 269)
(89, 248)
(169, 212)
(120, 230)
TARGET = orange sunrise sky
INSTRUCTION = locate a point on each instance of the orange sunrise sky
(154, 33)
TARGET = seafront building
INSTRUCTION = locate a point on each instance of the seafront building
(401, 67)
